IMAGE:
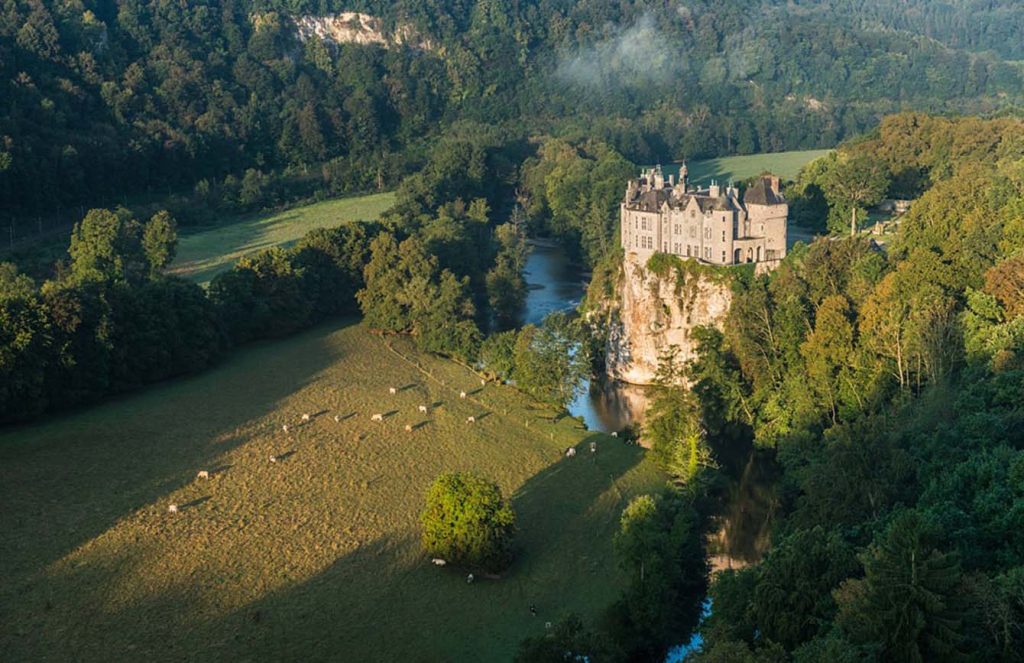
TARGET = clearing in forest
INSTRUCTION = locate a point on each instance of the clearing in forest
(205, 253)
(784, 164)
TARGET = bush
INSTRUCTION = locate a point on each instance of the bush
(467, 522)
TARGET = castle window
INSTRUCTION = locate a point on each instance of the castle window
(723, 256)
(723, 239)
(687, 250)
(707, 233)
(693, 231)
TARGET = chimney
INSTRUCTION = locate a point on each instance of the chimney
(774, 182)
(714, 191)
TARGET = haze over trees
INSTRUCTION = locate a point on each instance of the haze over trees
(224, 104)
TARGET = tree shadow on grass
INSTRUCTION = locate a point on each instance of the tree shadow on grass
(381, 600)
(70, 478)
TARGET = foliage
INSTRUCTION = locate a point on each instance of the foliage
(549, 361)
(467, 522)
(883, 379)
(906, 604)
(660, 546)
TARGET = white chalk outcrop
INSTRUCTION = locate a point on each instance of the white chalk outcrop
(357, 28)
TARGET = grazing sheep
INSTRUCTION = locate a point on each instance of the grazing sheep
(285, 428)
(337, 418)
(305, 417)
(437, 561)
(462, 394)
(377, 417)
(570, 452)
(547, 625)
(615, 433)
(392, 391)
(423, 409)
(593, 447)
(408, 428)
(273, 459)
(483, 382)
(172, 508)
(469, 579)
(203, 474)
(470, 420)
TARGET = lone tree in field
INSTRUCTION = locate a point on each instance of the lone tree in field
(467, 522)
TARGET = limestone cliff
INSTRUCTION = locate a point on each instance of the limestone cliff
(657, 309)
(358, 28)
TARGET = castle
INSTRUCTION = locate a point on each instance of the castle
(709, 225)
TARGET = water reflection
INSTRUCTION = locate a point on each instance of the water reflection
(556, 284)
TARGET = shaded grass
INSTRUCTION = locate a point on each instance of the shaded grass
(310, 558)
(784, 164)
(205, 253)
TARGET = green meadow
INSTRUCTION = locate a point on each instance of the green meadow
(315, 556)
(784, 164)
(202, 254)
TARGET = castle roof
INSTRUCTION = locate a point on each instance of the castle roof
(652, 200)
(762, 193)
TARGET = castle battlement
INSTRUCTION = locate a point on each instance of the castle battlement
(713, 225)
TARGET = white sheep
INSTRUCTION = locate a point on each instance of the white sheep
(615, 433)
(377, 417)
(483, 382)
(337, 418)
(423, 409)
(593, 447)
(305, 417)
(392, 391)
(203, 474)
(172, 508)
(408, 428)
(285, 428)
(470, 420)
(437, 561)
(469, 578)
(273, 459)
(462, 394)
(570, 452)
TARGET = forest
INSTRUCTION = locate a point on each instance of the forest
(887, 384)
(221, 106)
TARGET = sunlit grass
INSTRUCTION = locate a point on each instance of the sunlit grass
(205, 253)
(784, 164)
(312, 557)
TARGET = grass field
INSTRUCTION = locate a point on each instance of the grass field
(202, 255)
(314, 557)
(784, 164)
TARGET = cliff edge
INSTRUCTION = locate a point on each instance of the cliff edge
(660, 303)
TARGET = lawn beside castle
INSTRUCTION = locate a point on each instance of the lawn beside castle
(315, 556)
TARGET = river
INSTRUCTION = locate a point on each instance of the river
(746, 496)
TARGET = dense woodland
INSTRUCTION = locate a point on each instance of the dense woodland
(223, 106)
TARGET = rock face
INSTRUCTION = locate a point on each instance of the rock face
(356, 28)
(655, 312)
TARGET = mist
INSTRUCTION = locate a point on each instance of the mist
(640, 53)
